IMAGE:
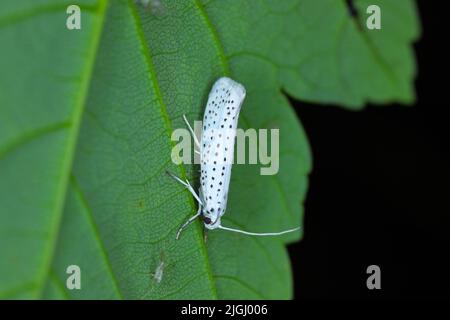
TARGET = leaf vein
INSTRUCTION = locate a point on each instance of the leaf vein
(31, 135)
(242, 283)
(152, 72)
(91, 221)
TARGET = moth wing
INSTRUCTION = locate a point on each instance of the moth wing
(217, 143)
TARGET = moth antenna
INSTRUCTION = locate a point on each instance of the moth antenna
(259, 234)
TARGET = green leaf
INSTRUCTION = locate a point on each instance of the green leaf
(45, 77)
(322, 54)
(86, 118)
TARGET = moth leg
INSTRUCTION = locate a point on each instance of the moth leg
(197, 143)
(188, 186)
(191, 219)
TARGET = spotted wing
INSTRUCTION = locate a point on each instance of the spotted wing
(217, 143)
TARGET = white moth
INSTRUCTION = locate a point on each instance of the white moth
(216, 155)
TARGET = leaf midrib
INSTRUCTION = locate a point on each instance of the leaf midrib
(226, 71)
(168, 124)
(71, 145)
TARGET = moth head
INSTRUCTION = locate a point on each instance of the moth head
(211, 219)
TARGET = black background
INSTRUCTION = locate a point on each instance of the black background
(379, 190)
